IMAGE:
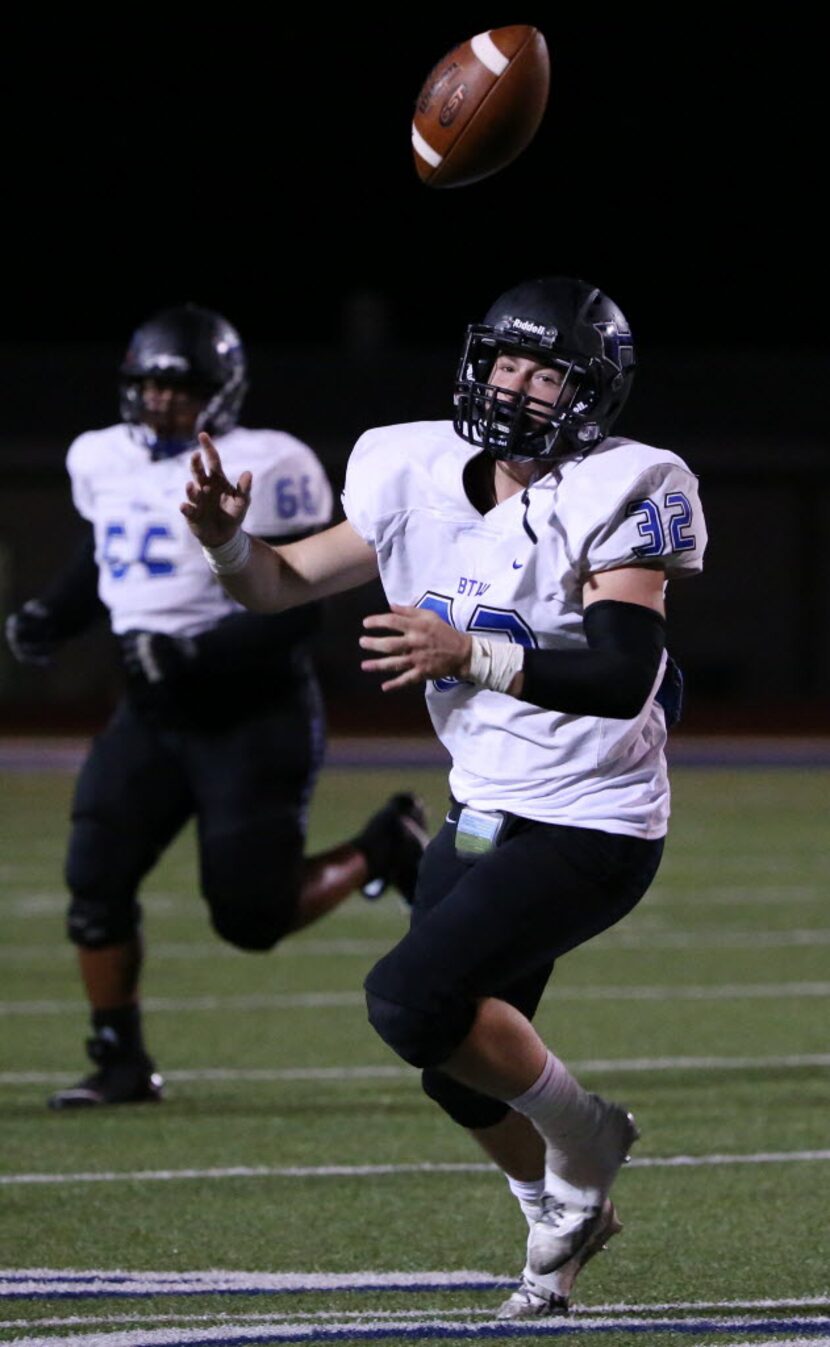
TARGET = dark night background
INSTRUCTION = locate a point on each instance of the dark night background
(262, 166)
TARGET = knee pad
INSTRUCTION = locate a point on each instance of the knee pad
(424, 1031)
(406, 1031)
(94, 923)
(102, 877)
(251, 924)
(466, 1107)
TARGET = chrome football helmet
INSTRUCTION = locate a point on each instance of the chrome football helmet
(568, 325)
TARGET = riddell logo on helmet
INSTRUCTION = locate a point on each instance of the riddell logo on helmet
(533, 329)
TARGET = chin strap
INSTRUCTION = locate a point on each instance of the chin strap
(525, 521)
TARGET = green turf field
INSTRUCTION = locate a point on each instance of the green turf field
(292, 1142)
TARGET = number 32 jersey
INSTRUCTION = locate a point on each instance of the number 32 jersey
(152, 574)
(516, 573)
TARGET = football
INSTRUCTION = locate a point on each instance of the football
(481, 106)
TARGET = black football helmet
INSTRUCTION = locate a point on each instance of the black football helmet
(569, 325)
(196, 349)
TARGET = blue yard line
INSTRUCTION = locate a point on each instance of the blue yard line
(431, 1330)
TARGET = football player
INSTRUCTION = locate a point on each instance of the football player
(524, 550)
(221, 719)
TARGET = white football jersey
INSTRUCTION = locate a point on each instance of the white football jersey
(152, 574)
(516, 573)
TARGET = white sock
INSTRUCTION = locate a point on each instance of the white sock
(528, 1194)
(580, 1161)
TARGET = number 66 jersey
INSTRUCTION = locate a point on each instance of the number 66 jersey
(516, 573)
(152, 575)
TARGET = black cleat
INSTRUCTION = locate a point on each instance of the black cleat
(394, 840)
(122, 1077)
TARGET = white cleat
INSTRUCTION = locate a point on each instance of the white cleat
(566, 1225)
(539, 1297)
(607, 1226)
(532, 1299)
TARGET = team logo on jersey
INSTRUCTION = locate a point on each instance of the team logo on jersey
(469, 585)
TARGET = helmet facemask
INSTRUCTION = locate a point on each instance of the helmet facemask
(513, 425)
(564, 324)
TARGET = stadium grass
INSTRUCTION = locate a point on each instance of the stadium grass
(746, 866)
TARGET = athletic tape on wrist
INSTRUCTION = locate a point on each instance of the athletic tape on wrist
(493, 663)
(229, 557)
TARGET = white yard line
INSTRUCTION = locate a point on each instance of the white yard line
(619, 940)
(467, 1322)
(187, 951)
(35, 904)
(113, 1280)
(376, 1171)
(325, 1000)
(728, 895)
(622, 938)
(792, 1061)
(761, 991)
(464, 1311)
(218, 1281)
(161, 1004)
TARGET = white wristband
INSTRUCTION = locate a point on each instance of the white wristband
(229, 557)
(493, 663)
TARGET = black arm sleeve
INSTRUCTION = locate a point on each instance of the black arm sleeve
(72, 599)
(613, 677)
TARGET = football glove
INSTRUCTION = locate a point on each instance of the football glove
(32, 633)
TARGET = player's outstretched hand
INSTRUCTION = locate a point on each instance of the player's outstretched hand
(214, 508)
(417, 644)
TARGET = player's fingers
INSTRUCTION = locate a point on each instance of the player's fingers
(389, 621)
(402, 681)
(243, 486)
(211, 453)
(197, 467)
(385, 645)
(401, 659)
(215, 473)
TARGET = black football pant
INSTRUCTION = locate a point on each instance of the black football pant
(247, 785)
(495, 928)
